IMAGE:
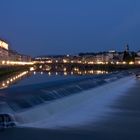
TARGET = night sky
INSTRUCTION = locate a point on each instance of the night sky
(38, 27)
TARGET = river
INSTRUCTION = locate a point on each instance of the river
(71, 106)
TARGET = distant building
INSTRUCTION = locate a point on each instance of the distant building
(3, 54)
(10, 55)
(112, 51)
(4, 44)
(3, 50)
(137, 60)
(14, 56)
(138, 53)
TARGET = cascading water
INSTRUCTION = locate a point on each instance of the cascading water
(23, 99)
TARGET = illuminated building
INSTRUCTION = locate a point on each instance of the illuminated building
(14, 56)
(3, 50)
(3, 54)
(4, 45)
(10, 57)
(137, 60)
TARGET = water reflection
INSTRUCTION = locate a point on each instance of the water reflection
(68, 70)
(13, 79)
(79, 72)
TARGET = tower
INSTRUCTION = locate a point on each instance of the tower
(127, 55)
(127, 48)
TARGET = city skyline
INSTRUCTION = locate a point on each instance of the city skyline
(70, 69)
(52, 27)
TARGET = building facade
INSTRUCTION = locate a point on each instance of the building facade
(10, 55)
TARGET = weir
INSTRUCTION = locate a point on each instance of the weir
(88, 106)
(25, 97)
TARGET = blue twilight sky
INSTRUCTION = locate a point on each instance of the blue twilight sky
(70, 26)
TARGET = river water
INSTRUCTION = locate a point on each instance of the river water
(68, 105)
(34, 77)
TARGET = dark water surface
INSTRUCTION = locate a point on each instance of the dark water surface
(41, 88)
(121, 123)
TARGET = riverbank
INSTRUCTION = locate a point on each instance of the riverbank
(6, 71)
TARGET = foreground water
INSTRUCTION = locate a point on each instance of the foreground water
(39, 89)
(74, 107)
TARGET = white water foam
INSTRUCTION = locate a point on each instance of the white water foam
(76, 110)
